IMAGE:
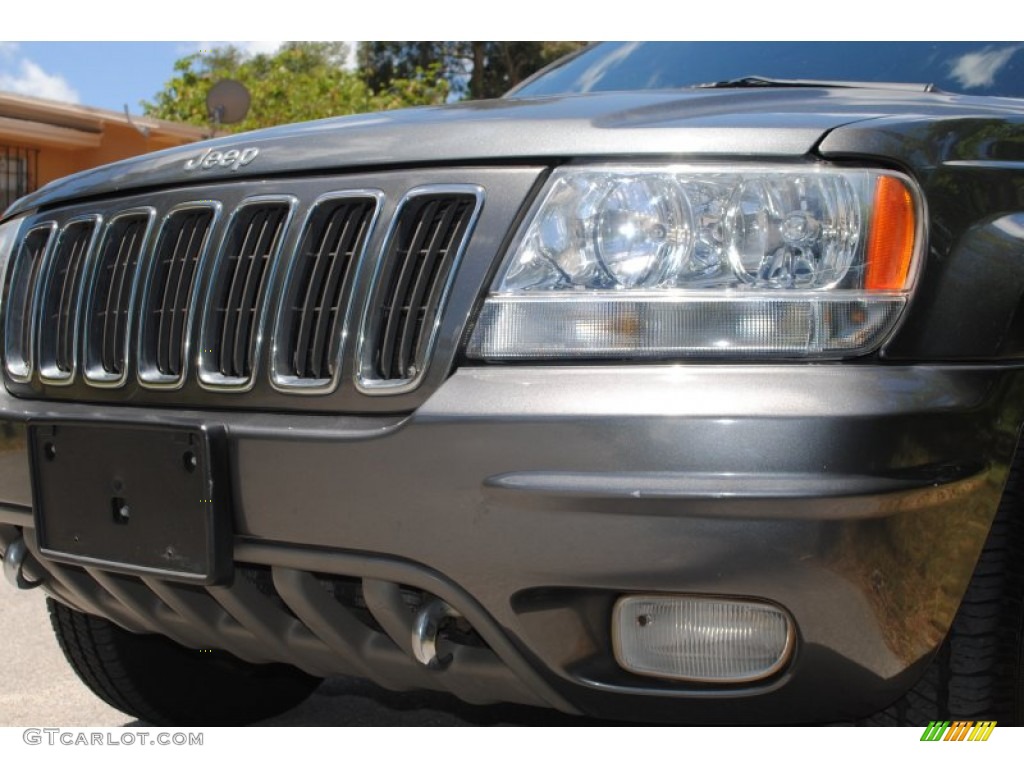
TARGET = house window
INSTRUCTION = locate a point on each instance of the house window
(19, 171)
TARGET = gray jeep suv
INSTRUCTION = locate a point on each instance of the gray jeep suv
(684, 383)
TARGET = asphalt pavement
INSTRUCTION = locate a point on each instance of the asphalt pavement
(41, 690)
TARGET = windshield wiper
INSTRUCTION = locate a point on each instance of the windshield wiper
(756, 81)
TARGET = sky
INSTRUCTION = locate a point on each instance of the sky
(114, 74)
(99, 74)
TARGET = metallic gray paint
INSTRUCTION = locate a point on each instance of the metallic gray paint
(734, 123)
(857, 459)
(967, 305)
(538, 494)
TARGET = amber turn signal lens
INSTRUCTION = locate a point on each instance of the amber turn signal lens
(891, 239)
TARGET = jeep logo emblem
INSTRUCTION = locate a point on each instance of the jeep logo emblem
(233, 159)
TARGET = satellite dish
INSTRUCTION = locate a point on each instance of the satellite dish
(228, 102)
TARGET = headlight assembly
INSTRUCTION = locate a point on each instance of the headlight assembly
(665, 262)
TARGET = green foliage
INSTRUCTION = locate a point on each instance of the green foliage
(301, 81)
(498, 66)
(479, 70)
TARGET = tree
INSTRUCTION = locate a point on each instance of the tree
(479, 70)
(498, 66)
(300, 81)
(381, 62)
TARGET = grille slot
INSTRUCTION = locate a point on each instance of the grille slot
(236, 292)
(154, 297)
(18, 330)
(425, 245)
(171, 284)
(58, 301)
(110, 299)
(315, 302)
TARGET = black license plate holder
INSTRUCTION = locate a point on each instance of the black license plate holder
(138, 499)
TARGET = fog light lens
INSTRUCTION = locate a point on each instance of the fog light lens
(700, 639)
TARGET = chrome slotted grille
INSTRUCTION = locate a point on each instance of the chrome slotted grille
(169, 290)
(234, 302)
(58, 301)
(108, 304)
(316, 295)
(423, 250)
(267, 294)
(19, 325)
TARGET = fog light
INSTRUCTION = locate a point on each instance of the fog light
(700, 639)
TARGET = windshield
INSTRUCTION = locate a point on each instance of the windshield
(984, 69)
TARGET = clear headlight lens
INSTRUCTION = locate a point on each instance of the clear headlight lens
(704, 261)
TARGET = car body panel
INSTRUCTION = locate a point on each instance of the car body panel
(769, 122)
(543, 493)
(856, 495)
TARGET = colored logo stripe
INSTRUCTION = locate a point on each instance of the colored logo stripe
(982, 730)
(959, 730)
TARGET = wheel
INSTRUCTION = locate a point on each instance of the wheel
(154, 679)
(978, 672)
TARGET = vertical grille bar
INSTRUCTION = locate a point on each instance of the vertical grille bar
(234, 306)
(323, 295)
(410, 257)
(240, 309)
(58, 313)
(170, 286)
(115, 309)
(18, 325)
(430, 232)
(109, 300)
(177, 291)
(434, 259)
(174, 305)
(315, 302)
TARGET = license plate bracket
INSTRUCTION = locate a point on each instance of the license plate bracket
(138, 499)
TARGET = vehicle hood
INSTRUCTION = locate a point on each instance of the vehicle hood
(737, 123)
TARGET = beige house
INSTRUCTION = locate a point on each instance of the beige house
(42, 140)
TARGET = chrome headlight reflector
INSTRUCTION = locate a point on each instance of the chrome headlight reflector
(705, 262)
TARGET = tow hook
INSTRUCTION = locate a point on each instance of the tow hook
(15, 558)
(424, 633)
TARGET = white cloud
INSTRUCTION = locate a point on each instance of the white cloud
(24, 76)
(8, 51)
(254, 47)
(247, 47)
(979, 69)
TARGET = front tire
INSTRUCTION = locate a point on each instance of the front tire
(154, 679)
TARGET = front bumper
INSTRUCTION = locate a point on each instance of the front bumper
(529, 498)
